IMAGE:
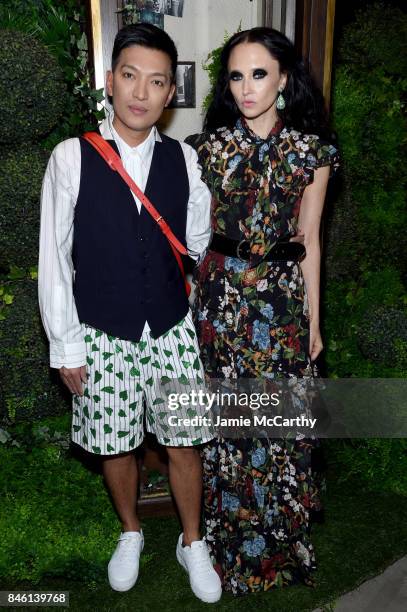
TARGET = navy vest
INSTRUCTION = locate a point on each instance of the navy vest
(125, 271)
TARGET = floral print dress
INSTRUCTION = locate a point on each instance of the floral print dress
(252, 321)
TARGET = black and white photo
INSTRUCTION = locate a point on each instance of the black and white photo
(185, 86)
(173, 7)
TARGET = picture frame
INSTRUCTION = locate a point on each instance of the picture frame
(185, 93)
(148, 11)
(175, 8)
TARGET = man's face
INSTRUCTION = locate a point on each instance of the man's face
(141, 87)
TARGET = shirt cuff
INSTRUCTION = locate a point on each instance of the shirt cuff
(200, 248)
(192, 254)
(70, 355)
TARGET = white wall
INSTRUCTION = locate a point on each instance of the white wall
(201, 29)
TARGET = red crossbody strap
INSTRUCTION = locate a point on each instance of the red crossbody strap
(114, 161)
(110, 156)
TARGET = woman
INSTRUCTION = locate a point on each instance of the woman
(257, 314)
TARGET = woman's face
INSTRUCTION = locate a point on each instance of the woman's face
(255, 80)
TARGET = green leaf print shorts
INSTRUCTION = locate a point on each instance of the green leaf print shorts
(124, 385)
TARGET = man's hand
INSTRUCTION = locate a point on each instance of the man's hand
(73, 378)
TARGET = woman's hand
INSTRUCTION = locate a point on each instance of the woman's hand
(299, 237)
(315, 341)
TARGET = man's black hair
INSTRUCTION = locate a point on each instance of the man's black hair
(145, 35)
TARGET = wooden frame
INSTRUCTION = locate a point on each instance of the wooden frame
(146, 14)
(310, 25)
(314, 39)
(104, 24)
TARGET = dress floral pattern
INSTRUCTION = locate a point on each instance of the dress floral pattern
(253, 321)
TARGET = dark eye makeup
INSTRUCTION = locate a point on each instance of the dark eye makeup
(259, 73)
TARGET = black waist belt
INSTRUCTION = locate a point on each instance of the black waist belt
(281, 251)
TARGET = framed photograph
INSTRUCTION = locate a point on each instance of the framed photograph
(185, 86)
(148, 11)
(172, 7)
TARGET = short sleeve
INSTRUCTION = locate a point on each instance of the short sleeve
(319, 153)
(203, 148)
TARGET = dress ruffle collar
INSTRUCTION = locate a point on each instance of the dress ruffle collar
(251, 136)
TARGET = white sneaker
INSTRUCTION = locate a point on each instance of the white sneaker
(195, 559)
(124, 564)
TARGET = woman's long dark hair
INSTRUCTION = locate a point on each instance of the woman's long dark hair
(304, 110)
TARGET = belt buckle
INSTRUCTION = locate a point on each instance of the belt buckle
(243, 243)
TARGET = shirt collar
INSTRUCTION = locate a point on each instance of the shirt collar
(143, 149)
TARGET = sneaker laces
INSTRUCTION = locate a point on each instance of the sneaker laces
(127, 548)
(201, 559)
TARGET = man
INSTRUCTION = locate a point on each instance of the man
(113, 300)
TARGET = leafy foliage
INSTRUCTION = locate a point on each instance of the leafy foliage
(380, 463)
(31, 88)
(62, 32)
(366, 267)
(212, 67)
(378, 333)
(377, 34)
(46, 90)
(28, 388)
(20, 186)
(347, 305)
(60, 25)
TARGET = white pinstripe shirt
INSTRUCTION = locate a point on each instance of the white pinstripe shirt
(60, 191)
